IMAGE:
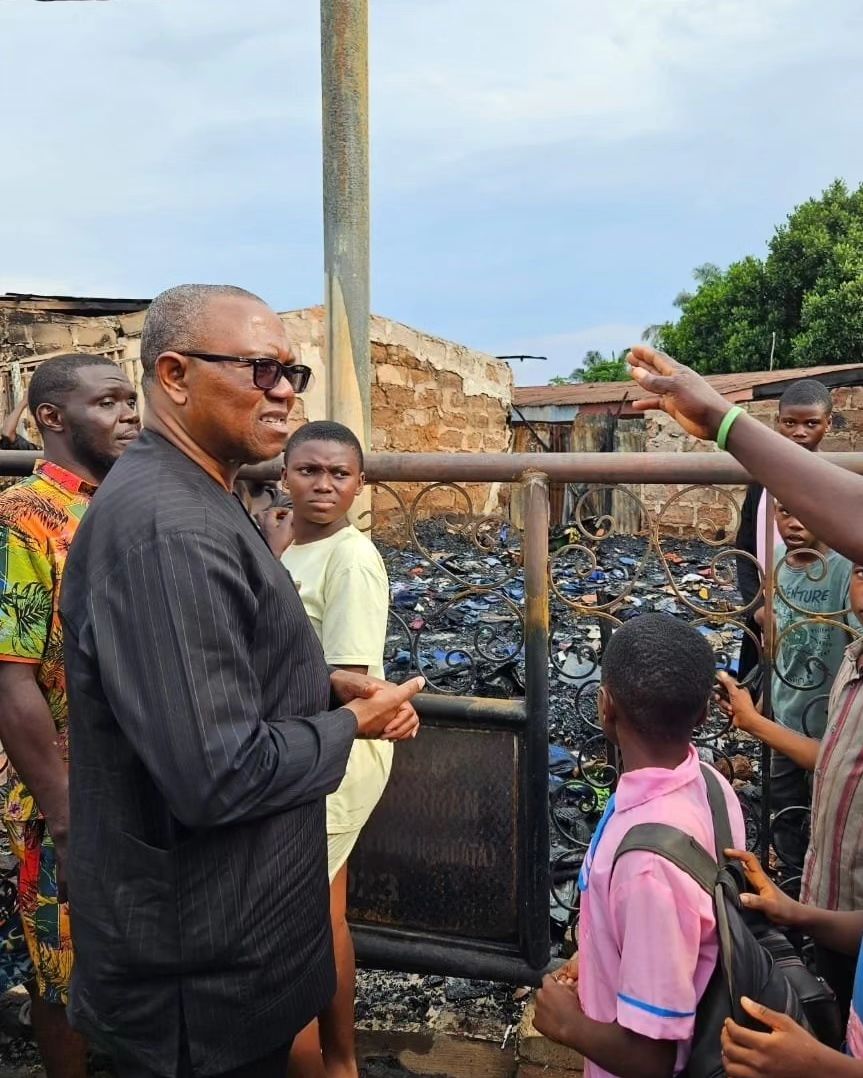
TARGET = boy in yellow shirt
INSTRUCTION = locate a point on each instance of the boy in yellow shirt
(344, 588)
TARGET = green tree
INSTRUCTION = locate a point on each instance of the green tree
(600, 368)
(595, 368)
(808, 291)
(722, 325)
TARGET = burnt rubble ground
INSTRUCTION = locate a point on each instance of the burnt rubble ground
(468, 641)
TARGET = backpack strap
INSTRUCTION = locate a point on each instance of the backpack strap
(675, 846)
(692, 858)
(723, 840)
(719, 811)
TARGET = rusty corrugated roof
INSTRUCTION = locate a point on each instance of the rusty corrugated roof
(743, 385)
(84, 305)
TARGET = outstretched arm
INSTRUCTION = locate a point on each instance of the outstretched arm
(805, 483)
(738, 703)
(839, 930)
(786, 1051)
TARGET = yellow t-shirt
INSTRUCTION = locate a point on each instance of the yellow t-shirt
(344, 587)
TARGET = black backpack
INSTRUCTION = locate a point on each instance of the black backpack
(755, 959)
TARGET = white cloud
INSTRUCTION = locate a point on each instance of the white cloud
(154, 140)
(454, 80)
(157, 102)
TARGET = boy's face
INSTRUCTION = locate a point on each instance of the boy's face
(803, 424)
(793, 533)
(323, 479)
(856, 592)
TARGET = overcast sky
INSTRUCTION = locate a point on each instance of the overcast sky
(544, 175)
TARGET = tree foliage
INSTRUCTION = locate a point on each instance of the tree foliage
(595, 368)
(808, 291)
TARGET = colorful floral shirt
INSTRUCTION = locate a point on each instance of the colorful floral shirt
(38, 519)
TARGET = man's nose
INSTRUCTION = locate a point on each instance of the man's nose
(281, 391)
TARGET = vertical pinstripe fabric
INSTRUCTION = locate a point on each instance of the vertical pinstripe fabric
(833, 872)
(200, 753)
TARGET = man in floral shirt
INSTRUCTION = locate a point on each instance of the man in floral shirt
(86, 411)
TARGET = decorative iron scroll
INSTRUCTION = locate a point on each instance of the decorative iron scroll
(457, 612)
(457, 618)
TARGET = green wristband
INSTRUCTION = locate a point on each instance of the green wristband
(728, 421)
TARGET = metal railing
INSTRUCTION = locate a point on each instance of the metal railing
(454, 871)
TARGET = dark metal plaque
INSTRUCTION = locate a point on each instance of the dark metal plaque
(440, 853)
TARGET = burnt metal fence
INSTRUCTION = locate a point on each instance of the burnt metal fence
(468, 865)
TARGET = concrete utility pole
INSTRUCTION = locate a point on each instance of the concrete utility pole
(345, 83)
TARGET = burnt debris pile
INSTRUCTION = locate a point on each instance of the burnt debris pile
(457, 618)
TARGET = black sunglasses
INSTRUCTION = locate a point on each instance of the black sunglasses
(266, 373)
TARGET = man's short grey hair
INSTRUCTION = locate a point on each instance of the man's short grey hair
(176, 317)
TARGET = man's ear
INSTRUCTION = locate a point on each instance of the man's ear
(702, 718)
(171, 374)
(50, 417)
(360, 485)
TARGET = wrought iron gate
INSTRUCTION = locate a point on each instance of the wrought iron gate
(453, 873)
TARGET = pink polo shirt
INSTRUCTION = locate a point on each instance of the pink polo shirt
(647, 934)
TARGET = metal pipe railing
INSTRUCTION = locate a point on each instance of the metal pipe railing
(708, 468)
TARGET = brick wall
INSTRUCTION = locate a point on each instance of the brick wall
(27, 336)
(428, 394)
(710, 509)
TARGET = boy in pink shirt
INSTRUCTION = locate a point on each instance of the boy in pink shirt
(647, 933)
